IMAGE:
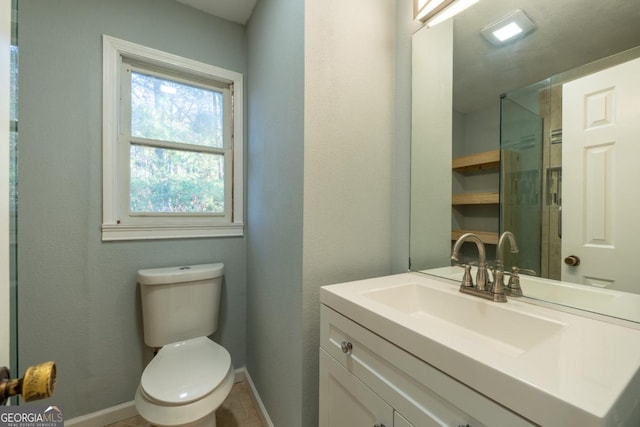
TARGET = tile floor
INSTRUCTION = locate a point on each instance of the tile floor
(238, 410)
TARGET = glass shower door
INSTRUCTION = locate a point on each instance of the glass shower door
(13, 189)
(521, 182)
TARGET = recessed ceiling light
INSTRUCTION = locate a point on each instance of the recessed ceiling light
(505, 33)
(511, 27)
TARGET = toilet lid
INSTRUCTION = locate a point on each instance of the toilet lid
(185, 371)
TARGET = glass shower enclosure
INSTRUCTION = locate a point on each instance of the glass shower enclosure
(521, 154)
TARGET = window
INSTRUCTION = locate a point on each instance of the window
(172, 146)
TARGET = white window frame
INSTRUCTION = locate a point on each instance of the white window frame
(117, 224)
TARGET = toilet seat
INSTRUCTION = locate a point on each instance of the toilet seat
(200, 413)
(185, 371)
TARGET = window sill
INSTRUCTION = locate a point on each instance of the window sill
(119, 232)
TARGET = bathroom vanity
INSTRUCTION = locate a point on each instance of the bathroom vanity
(410, 350)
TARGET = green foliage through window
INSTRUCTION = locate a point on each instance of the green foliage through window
(171, 111)
(176, 181)
(173, 180)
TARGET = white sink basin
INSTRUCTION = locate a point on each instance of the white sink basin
(550, 366)
(494, 321)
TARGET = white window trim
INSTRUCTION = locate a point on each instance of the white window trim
(112, 229)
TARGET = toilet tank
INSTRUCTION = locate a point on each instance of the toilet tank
(179, 303)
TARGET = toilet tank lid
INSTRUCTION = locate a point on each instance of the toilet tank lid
(186, 273)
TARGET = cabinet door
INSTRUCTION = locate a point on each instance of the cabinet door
(346, 402)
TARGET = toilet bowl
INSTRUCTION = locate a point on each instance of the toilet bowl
(189, 378)
(185, 383)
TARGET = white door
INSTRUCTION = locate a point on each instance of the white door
(5, 307)
(345, 401)
(601, 176)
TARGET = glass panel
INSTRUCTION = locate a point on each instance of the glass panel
(170, 111)
(13, 195)
(175, 181)
(521, 182)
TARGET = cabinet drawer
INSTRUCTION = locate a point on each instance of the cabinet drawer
(421, 393)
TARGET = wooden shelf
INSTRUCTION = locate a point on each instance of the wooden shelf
(476, 162)
(475, 199)
(487, 237)
(479, 161)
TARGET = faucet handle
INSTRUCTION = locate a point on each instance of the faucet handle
(467, 280)
(513, 287)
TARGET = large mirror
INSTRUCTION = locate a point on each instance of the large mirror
(532, 137)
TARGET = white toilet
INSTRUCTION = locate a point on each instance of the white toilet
(191, 375)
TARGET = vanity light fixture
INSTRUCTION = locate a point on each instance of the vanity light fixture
(513, 26)
(432, 12)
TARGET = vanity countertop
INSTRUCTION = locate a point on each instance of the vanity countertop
(551, 367)
(604, 301)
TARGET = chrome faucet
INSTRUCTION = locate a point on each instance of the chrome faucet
(482, 287)
(498, 279)
(481, 275)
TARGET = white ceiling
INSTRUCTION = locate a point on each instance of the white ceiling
(569, 33)
(232, 10)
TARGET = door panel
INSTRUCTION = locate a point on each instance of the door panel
(601, 148)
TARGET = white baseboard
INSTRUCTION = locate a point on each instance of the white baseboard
(128, 409)
(104, 416)
(242, 374)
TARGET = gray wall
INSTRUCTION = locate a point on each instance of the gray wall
(321, 156)
(78, 301)
(431, 125)
(275, 37)
(348, 151)
(401, 172)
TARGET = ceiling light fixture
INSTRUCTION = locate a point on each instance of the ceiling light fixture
(513, 26)
(432, 12)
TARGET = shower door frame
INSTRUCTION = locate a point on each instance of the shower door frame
(5, 291)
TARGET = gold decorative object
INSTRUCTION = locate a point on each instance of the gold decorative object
(38, 382)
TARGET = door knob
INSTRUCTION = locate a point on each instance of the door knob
(572, 260)
(38, 382)
(346, 347)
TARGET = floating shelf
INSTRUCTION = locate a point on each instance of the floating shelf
(479, 161)
(475, 199)
(487, 237)
(487, 160)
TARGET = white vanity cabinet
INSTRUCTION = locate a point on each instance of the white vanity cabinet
(420, 349)
(367, 381)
